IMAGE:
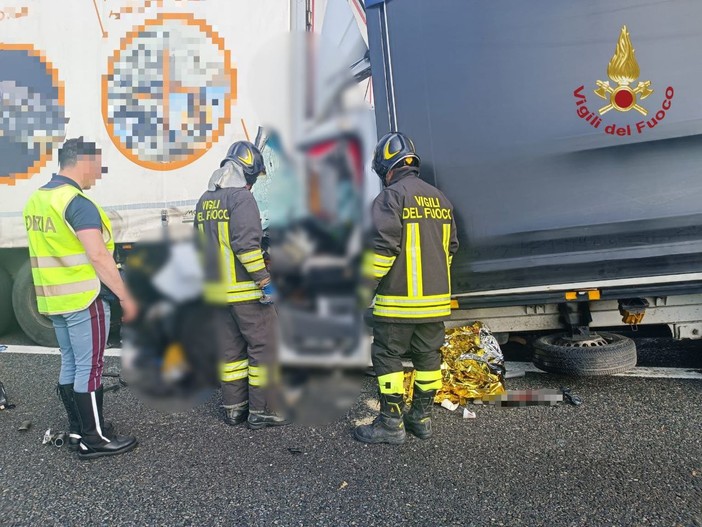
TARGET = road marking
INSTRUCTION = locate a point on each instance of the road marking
(41, 350)
(639, 371)
(528, 367)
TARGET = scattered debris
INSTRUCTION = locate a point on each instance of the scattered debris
(571, 398)
(112, 388)
(513, 373)
(449, 405)
(4, 404)
(295, 451)
(48, 437)
(26, 425)
(343, 485)
(467, 414)
(2, 347)
(58, 439)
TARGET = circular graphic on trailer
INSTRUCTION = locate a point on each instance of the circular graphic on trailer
(168, 92)
(32, 112)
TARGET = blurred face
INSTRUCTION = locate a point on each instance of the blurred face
(90, 169)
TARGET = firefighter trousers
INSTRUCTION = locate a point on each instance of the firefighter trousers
(247, 338)
(422, 341)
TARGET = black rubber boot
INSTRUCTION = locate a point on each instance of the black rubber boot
(236, 414)
(107, 429)
(388, 426)
(262, 419)
(65, 392)
(418, 418)
(94, 443)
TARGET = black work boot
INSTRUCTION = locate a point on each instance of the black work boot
(107, 429)
(236, 414)
(388, 426)
(65, 391)
(264, 418)
(93, 442)
(418, 418)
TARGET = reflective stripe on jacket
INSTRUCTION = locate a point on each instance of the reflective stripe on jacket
(229, 221)
(412, 244)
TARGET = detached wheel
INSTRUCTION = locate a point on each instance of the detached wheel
(5, 301)
(24, 301)
(603, 354)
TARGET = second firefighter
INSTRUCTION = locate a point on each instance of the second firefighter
(228, 220)
(407, 266)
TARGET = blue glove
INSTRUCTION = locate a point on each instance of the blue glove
(269, 294)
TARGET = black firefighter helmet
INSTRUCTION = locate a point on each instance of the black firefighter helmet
(393, 150)
(248, 157)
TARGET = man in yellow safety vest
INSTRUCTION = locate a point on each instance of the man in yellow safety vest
(70, 247)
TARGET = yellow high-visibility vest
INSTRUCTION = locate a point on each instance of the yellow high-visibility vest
(64, 279)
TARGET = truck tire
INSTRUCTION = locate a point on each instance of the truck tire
(5, 301)
(24, 301)
(616, 356)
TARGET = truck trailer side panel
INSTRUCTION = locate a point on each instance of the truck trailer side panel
(553, 182)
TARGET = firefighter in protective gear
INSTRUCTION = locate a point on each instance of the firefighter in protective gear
(74, 273)
(236, 279)
(407, 266)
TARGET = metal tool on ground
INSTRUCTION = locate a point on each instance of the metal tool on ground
(57, 439)
(570, 397)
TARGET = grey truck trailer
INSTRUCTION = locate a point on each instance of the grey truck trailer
(567, 134)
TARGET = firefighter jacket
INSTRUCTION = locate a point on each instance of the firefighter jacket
(412, 243)
(229, 224)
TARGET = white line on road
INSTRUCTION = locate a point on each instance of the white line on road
(639, 371)
(41, 350)
(528, 367)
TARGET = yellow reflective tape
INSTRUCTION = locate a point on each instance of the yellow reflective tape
(222, 290)
(241, 297)
(233, 366)
(418, 253)
(83, 286)
(59, 261)
(258, 370)
(425, 387)
(254, 381)
(234, 376)
(414, 260)
(256, 266)
(392, 382)
(427, 376)
(250, 256)
(449, 258)
(402, 301)
(412, 313)
(388, 260)
(225, 254)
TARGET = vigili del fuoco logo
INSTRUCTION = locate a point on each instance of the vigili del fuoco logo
(623, 70)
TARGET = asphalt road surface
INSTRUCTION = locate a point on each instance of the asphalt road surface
(631, 455)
